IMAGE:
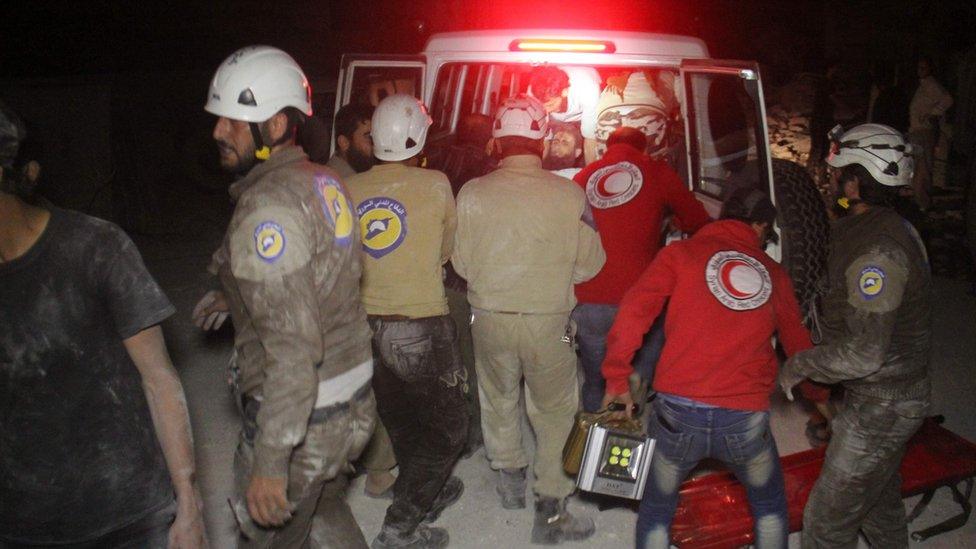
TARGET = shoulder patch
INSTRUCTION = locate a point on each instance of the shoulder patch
(614, 185)
(871, 282)
(738, 281)
(383, 225)
(335, 208)
(269, 241)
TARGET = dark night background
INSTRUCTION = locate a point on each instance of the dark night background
(113, 91)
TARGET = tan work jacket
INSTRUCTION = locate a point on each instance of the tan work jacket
(521, 241)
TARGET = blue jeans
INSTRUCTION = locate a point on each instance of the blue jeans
(687, 432)
(593, 323)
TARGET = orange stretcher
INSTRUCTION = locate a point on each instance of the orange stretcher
(713, 511)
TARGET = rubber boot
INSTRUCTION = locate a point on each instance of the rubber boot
(554, 524)
(451, 492)
(511, 488)
(423, 537)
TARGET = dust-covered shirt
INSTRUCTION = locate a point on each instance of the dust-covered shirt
(407, 219)
(78, 453)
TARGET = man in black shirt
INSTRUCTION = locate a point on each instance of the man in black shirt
(94, 432)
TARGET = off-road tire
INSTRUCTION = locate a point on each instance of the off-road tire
(805, 232)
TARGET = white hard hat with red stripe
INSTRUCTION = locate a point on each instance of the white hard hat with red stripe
(522, 116)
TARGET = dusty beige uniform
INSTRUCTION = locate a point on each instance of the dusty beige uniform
(290, 268)
(521, 245)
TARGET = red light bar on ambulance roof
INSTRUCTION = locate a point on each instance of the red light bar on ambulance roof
(557, 44)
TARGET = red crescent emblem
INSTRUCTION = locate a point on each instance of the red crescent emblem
(601, 186)
(725, 275)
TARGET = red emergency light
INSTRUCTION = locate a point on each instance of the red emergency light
(557, 44)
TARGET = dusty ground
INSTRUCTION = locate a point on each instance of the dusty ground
(477, 520)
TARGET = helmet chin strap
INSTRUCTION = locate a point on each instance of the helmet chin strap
(261, 151)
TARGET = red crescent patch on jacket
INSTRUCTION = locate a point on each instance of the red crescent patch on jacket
(738, 281)
(614, 185)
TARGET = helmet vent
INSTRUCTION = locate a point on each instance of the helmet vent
(247, 98)
(411, 143)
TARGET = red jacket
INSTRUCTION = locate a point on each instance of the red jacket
(629, 195)
(727, 299)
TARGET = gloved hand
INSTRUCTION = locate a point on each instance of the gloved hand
(789, 378)
(211, 311)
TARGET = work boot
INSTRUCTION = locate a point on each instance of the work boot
(379, 484)
(424, 537)
(451, 492)
(554, 524)
(511, 488)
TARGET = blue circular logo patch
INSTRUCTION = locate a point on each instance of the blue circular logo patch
(871, 282)
(383, 225)
(269, 241)
(335, 208)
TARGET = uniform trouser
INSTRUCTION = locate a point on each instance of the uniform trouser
(686, 433)
(379, 456)
(316, 481)
(461, 313)
(419, 384)
(859, 485)
(512, 347)
(593, 323)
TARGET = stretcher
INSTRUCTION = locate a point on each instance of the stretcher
(713, 511)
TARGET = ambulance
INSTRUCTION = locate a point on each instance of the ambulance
(705, 117)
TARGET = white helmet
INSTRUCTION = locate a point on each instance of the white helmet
(256, 82)
(399, 129)
(522, 116)
(880, 149)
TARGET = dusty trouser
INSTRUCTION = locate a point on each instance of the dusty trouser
(336, 435)
(419, 384)
(378, 456)
(859, 486)
(510, 347)
(461, 313)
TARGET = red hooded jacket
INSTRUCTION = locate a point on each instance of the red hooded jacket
(629, 195)
(728, 298)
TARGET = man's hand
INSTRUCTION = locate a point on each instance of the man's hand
(188, 531)
(211, 311)
(267, 502)
(788, 378)
(624, 399)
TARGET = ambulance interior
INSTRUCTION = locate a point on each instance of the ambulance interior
(719, 110)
